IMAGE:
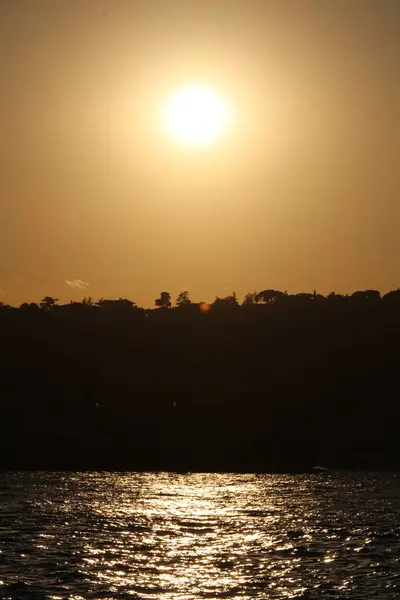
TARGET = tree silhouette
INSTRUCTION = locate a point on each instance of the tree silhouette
(88, 301)
(227, 302)
(392, 298)
(270, 296)
(183, 299)
(337, 298)
(47, 303)
(164, 301)
(250, 298)
(366, 296)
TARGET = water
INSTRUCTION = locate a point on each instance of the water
(164, 536)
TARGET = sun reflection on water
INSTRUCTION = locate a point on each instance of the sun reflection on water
(174, 536)
(181, 533)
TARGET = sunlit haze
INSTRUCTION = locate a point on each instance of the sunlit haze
(214, 146)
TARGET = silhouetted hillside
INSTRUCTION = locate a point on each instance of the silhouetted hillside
(279, 383)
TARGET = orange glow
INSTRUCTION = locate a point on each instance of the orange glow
(223, 145)
(204, 307)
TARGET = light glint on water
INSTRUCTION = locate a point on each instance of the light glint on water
(170, 536)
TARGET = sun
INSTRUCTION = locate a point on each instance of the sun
(195, 115)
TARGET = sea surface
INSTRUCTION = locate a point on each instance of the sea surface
(191, 536)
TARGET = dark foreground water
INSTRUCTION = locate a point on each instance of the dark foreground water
(164, 536)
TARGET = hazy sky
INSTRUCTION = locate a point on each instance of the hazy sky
(302, 192)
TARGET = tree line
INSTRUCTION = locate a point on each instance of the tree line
(278, 382)
(264, 297)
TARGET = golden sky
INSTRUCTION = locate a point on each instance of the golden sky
(300, 193)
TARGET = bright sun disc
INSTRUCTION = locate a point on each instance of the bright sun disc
(195, 115)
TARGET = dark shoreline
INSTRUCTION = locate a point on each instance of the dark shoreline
(102, 464)
(272, 387)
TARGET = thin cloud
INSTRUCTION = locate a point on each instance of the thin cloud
(77, 283)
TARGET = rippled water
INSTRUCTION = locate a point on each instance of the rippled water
(164, 536)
